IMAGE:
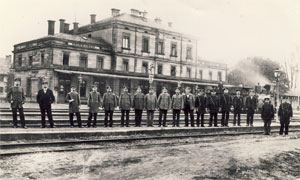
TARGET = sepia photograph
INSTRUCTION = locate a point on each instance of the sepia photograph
(150, 89)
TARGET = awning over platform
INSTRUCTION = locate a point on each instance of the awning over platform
(136, 77)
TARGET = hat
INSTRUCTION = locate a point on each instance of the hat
(17, 79)
(238, 90)
(44, 82)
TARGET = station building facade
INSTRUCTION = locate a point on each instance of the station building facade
(120, 50)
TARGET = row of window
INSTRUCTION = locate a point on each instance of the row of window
(83, 60)
(145, 69)
(159, 46)
(30, 59)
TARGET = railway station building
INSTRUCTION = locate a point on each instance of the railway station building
(120, 50)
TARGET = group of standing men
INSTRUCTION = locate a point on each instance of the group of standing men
(186, 101)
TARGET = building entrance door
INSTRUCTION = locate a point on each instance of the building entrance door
(64, 88)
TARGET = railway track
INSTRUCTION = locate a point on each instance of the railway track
(72, 145)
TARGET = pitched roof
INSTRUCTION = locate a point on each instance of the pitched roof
(72, 37)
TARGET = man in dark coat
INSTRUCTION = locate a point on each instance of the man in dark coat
(200, 104)
(267, 114)
(125, 103)
(45, 98)
(16, 98)
(138, 105)
(251, 105)
(285, 114)
(176, 106)
(188, 105)
(213, 108)
(164, 104)
(74, 106)
(238, 104)
(225, 105)
(109, 104)
(150, 106)
(93, 102)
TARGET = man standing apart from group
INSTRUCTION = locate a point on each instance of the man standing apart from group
(251, 104)
(138, 105)
(176, 106)
(45, 98)
(125, 104)
(200, 104)
(285, 114)
(93, 102)
(164, 104)
(238, 103)
(74, 106)
(188, 105)
(16, 98)
(109, 105)
(150, 105)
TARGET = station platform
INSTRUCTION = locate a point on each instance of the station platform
(32, 134)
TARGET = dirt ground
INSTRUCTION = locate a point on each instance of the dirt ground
(243, 157)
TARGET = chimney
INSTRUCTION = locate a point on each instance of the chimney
(157, 20)
(170, 24)
(93, 18)
(61, 25)
(66, 27)
(135, 12)
(145, 13)
(75, 28)
(115, 12)
(51, 27)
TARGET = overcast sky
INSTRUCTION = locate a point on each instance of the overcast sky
(228, 30)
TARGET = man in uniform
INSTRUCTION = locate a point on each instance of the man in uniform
(74, 106)
(125, 104)
(109, 104)
(138, 105)
(285, 114)
(225, 105)
(93, 102)
(16, 98)
(164, 104)
(176, 105)
(267, 114)
(188, 105)
(251, 104)
(150, 105)
(200, 104)
(45, 98)
(213, 107)
(238, 103)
